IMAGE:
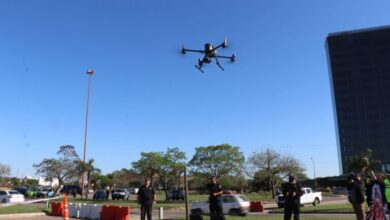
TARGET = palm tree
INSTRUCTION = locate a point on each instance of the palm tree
(89, 169)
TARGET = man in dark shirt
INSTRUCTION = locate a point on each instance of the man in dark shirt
(292, 193)
(146, 197)
(215, 192)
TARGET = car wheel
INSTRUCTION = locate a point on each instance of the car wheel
(316, 202)
(234, 212)
(197, 212)
(3, 201)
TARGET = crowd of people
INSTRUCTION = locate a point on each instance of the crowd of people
(372, 189)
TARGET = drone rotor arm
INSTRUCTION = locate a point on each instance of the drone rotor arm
(190, 50)
(225, 57)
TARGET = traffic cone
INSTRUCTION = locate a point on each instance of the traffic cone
(66, 211)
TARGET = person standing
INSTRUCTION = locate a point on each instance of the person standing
(356, 195)
(146, 197)
(215, 194)
(292, 193)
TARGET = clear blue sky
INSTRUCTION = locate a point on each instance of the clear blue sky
(146, 96)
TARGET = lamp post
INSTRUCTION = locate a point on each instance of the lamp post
(89, 73)
(314, 170)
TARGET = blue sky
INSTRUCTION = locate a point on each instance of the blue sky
(146, 96)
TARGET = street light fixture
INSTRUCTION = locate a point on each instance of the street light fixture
(314, 170)
(89, 73)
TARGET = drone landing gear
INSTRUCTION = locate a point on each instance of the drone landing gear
(217, 61)
(199, 68)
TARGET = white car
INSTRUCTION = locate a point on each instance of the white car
(11, 196)
(307, 197)
(233, 204)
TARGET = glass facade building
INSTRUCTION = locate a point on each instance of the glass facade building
(359, 66)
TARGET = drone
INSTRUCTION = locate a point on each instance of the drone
(210, 52)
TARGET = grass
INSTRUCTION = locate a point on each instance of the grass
(29, 208)
(332, 208)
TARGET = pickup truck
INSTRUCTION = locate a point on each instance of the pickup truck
(232, 204)
(307, 197)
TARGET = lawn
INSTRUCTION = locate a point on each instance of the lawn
(29, 208)
(331, 208)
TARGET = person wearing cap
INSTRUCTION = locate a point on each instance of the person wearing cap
(215, 193)
(292, 193)
(356, 194)
(146, 197)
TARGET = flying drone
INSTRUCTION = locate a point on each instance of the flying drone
(210, 52)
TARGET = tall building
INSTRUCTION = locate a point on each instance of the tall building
(359, 65)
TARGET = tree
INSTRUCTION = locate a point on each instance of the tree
(173, 165)
(273, 167)
(126, 178)
(363, 162)
(149, 164)
(217, 160)
(167, 166)
(64, 168)
(89, 170)
(5, 170)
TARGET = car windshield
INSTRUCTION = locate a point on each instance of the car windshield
(243, 198)
(13, 192)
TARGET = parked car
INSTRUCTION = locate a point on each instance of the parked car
(88, 191)
(175, 195)
(45, 192)
(120, 194)
(133, 190)
(30, 193)
(11, 196)
(233, 204)
(341, 190)
(307, 197)
(99, 195)
(70, 189)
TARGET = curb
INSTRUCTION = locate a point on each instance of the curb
(24, 215)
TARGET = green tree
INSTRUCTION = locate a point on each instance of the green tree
(171, 169)
(363, 162)
(273, 168)
(217, 160)
(125, 178)
(149, 165)
(64, 168)
(89, 170)
(101, 181)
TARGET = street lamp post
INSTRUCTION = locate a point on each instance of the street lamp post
(314, 170)
(89, 73)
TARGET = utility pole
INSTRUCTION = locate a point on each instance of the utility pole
(89, 73)
(186, 191)
(314, 170)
